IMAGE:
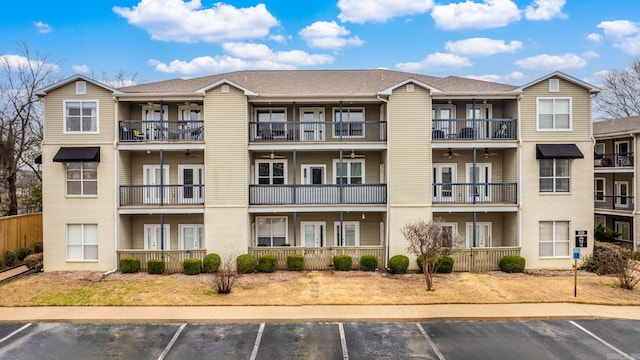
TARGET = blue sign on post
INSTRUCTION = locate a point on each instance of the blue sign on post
(576, 253)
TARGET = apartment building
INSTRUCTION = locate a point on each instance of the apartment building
(315, 162)
(615, 177)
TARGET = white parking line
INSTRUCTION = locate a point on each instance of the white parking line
(173, 340)
(254, 353)
(622, 353)
(343, 341)
(426, 336)
(14, 333)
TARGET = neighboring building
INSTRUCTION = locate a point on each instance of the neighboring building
(615, 177)
(332, 161)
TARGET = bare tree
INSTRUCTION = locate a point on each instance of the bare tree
(428, 240)
(120, 78)
(226, 277)
(620, 96)
(21, 116)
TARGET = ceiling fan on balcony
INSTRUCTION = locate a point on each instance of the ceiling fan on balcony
(488, 153)
(353, 155)
(450, 153)
(273, 156)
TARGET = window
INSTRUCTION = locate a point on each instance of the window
(348, 122)
(348, 171)
(271, 230)
(624, 229)
(271, 172)
(82, 242)
(483, 232)
(81, 87)
(153, 234)
(271, 123)
(81, 116)
(554, 175)
(554, 238)
(598, 148)
(599, 219)
(449, 232)
(350, 233)
(599, 189)
(554, 85)
(82, 178)
(554, 114)
(191, 236)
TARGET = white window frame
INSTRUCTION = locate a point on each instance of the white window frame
(346, 113)
(166, 243)
(83, 243)
(271, 111)
(622, 227)
(81, 131)
(81, 180)
(198, 232)
(454, 230)
(286, 229)
(336, 232)
(555, 241)
(81, 87)
(554, 177)
(316, 130)
(198, 188)
(307, 180)
(348, 177)
(553, 127)
(622, 158)
(600, 193)
(618, 199)
(554, 85)
(599, 148)
(152, 194)
(469, 234)
(439, 193)
(316, 224)
(270, 162)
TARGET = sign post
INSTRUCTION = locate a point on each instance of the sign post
(576, 256)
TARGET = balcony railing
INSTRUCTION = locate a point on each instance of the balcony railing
(470, 129)
(368, 194)
(614, 160)
(163, 131)
(157, 195)
(481, 193)
(318, 132)
(607, 202)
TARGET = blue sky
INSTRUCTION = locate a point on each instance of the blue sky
(508, 41)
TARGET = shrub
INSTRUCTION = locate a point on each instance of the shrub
(342, 262)
(155, 266)
(129, 265)
(512, 264)
(245, 263)
(23, 252)
(295, 262)
(446, 265)
(34, 261)
(601, 261)
(368, 263)
(37, 247)
(398, 264)
(10, 258)
(211, 263)
(192, 266)
(267, 263)
(1, 262)
(225, 278)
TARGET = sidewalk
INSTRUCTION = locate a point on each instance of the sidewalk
(233, 314)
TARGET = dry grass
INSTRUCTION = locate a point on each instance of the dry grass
(317, 288)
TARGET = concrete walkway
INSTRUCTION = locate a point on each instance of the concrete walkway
(233, 314)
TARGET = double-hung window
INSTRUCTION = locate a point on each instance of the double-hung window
(554, 238)
(81, 116)
(271, 172)
(271, 230)
(554, 175)
(82, 178)
(271, 123)
(554, 114)
(348, 122)
(348, 171)
(82, 242)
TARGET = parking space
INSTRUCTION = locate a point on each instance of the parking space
(561, 339)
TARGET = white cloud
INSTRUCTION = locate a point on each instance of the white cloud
(361, 11)
(42, 27)
(472, 15)
(550, 62)
(176, 20)
(516, 75)
(595, 37)
(481, 47)
(18, 62)
(80, 69)
(280, 38)
(623, 34)
(590, 54)
(545, 10)
(436, 61)
(328, 35)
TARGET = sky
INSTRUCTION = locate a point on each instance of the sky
(506, 41)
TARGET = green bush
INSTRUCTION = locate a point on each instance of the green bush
(23, 252)
(192, 266)
(602, 259)
(267, 263)
(295, 262)
(10, 258)
(129, 265)
(211, 263)
(512, 264)
(342, 262)
(37, 247)
(446, 264)
(1, 262)
(245, 263)
(155, 266)
(398, 264)
(368, 263)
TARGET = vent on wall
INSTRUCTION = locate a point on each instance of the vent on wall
(224, 88)
(410, 87)
(554, 85)
(81, 87)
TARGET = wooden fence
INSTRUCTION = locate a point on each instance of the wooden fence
(20, 230)
(481, 259)
(173, 259)
(320, 258)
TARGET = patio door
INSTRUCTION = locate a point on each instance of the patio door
(313, 174)
(478, 188)
(312, 124)
(191, 179)
(155, 120)
(622, 154)
(152, 236)
(483, 234)
(482, 113)
(313, 233)
(622, 194)
(152, 188)
(191, 236)
(444, 176)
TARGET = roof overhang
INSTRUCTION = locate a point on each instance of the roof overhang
(592, 89)
(76, 154)
(558, 151)
(389, 90)
(44, 91)
(178, 96)
(246, 91)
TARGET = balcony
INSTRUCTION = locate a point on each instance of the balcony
(606, 202)
(165, 195)
(614, 160)
(482, 193)
(357, 194)
(318, 132)
(470, 129)
(142, 131)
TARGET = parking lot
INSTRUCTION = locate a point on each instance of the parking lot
(557, 339)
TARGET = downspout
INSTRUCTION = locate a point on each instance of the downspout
(341, 234)
(295, 164)
(387, 169)
(116, 216)
(162, 178)
(474, 174)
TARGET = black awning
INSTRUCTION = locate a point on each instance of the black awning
(70, 154)
(558, 151)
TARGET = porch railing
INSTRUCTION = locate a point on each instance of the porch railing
(163, 131)
(317, 194)
(320, 258)
(481, 259)
(157, 195)
(478, 129)
(481, 193)
(173, 259)
(318, 132)
(614, 160)
(613, 202)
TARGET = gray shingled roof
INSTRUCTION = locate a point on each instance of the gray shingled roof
(616, 126)
(279, 83)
